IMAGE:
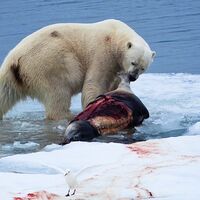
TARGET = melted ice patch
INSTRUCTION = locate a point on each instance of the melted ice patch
(173, 101)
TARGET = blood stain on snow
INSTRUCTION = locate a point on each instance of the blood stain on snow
(141, 191)
(142, 149)
(38, 196)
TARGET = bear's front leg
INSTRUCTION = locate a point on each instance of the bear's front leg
(91, 89)
(95, 86)
(99, 76)
(97, 82)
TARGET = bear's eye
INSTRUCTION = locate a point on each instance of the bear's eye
(129, 45)
(142, 69)
(133, 63)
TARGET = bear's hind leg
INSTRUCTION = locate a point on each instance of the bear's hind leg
(57, 105)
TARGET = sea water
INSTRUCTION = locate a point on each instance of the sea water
(170, 89)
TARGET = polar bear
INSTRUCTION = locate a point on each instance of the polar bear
(61, 60)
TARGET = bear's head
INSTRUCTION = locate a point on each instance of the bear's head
(136, 59)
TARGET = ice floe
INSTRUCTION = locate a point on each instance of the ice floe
(161, 168)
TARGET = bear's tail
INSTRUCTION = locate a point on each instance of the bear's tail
(9, 89)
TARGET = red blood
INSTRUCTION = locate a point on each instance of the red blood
(104, 106)
(139, 150)
(145, 149)
(38, 196)
(31, 195)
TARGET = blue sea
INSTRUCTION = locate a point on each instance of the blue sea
(170, 89)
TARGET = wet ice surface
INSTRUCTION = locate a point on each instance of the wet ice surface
(173, 101)
(25, 125)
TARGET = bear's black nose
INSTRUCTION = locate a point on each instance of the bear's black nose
(132, 77)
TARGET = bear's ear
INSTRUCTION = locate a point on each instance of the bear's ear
(129, 45)
(153, 54)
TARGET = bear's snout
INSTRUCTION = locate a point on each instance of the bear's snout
(133, 76)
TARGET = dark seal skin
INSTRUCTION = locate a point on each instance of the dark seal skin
(108, 114)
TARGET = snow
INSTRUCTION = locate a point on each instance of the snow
(161, 168)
